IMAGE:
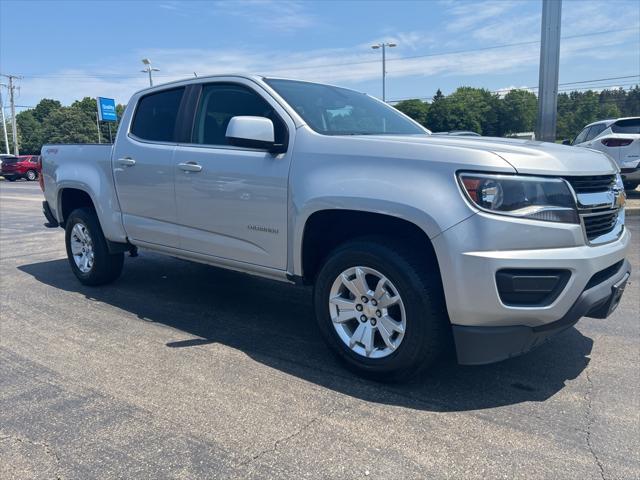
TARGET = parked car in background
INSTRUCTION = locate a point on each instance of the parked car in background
(4, 156)
(24, 166)
(621, 140)
(458, 133)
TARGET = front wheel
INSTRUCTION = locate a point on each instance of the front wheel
(87, 249)
(381, 308)
(31, 175)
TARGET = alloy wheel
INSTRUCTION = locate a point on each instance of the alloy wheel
(367, 312)
(82, 248)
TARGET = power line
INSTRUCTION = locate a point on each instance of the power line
(313, 67)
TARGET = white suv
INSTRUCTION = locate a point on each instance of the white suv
(619, 138)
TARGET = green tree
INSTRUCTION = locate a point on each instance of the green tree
(69, 125)
(44, 108)
(29, 133)
(468, 108)
(631, 106)
(438, 113)
(416, 109)
(518, 111)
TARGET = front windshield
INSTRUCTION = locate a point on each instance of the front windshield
(339, 111)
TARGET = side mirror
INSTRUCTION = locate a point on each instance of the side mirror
(253, 132)
(566, 142)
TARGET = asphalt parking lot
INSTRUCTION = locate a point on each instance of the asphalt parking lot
(180, 370)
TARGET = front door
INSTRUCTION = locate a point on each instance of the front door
(232, 201)
(144, 170)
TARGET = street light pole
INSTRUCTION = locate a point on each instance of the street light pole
(384, 46)
(148, 70)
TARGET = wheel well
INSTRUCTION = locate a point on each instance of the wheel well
(327, 229)
(72, 198)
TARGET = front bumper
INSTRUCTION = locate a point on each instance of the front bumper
(473, 251)
(481, 345)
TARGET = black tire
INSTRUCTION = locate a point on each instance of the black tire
(417, 278)
(11, 179)
(31, 175)
(106, 266)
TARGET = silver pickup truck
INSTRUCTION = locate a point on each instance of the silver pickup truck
(413, 242)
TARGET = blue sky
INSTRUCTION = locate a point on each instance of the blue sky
(71, 49)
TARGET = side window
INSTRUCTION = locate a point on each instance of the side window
(156, 114)
(220, 102)
(595, 131)
(581, 136)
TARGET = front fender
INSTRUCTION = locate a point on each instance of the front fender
(418, 217)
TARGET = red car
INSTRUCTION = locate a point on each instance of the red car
(24, 166)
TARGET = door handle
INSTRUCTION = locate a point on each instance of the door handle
(190, 167)
(126, 162)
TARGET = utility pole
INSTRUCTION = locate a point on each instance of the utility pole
(12, 103)
(383, 46)
(4, 122)
(549, 69)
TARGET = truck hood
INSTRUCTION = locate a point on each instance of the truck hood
(526, 156)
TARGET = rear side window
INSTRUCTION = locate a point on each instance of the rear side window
(156, 114)
(632, 125)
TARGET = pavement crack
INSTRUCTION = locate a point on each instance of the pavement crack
(590, 421)
(287, 438)
(45, 446)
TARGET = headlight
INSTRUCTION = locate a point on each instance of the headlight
(536, 198)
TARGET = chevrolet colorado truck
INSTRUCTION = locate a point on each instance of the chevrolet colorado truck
(412, 242)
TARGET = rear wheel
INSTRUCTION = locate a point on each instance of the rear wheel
(87, 249)
(380, 307)
(11, 178)
(31, 175)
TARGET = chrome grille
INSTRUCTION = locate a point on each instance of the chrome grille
(596, 196)
(597, 224)
(592, 184)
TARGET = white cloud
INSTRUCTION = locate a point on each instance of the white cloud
(278, 15)
(358, 63)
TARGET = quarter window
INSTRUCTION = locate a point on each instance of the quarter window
(630, 125)
(156, 115)
(220, 102)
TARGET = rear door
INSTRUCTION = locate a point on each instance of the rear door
(232, 201)
(143, 167)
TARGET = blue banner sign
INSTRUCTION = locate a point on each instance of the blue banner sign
(107, 110)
